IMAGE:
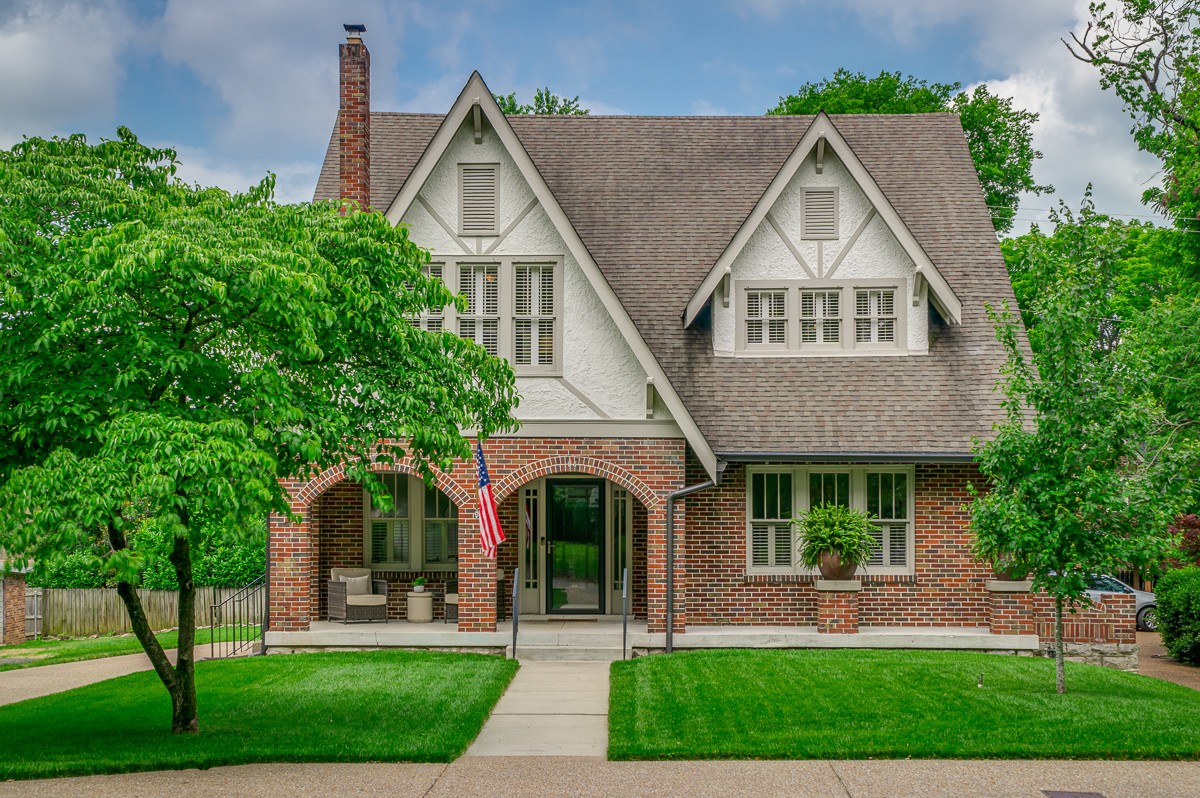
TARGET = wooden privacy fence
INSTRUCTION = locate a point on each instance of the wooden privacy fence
(33, 612)
(80, 613)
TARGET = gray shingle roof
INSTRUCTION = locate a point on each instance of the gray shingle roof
(657, 199)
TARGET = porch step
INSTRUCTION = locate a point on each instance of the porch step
(565, 653)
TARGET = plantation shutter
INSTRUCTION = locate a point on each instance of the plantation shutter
(533, 314)
(390, 528)
(874, 316)
(818, 218)
(887, 500)
(820, 317)
(766, 318)
(478, 206)
(771, 519)
(480, 284)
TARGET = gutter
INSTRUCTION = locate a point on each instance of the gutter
(671, 499)
(845, 457)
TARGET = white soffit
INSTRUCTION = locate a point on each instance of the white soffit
(476, 93)
(823, 128)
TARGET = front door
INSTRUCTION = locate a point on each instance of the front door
(575, 546)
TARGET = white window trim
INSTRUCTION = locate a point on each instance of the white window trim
(507, 305)
(847, 346)
(416, 532)
(743, 316)
(493, 232)
(858, 499)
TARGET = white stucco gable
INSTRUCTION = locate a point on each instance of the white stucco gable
(603, 368)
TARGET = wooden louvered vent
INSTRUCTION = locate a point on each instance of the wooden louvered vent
(478, 199)
(819, 214)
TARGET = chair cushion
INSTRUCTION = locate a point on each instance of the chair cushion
(451, 598)
(369, 600)
(358, 585)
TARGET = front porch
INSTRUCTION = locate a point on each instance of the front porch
(552, 638)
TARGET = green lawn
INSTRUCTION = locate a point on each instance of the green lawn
(755, 704)
(54, 652)
(378, 706)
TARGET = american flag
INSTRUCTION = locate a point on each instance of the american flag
(490, 533)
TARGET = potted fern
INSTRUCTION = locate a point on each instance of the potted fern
(835, 539)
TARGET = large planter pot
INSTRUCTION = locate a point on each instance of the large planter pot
(832, 567)
(1007, 571)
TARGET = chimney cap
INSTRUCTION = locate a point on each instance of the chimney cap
(355, 30)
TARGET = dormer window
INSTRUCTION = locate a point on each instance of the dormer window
(766, 319)
(478, 198)
(820, 317)
(819, 213)
(874, 316)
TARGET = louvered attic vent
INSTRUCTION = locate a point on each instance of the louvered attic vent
(477, 199)
(819, 213)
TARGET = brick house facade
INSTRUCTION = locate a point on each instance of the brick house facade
(776, 312)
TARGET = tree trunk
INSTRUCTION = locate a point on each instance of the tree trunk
(185, 717)
(1060, 676)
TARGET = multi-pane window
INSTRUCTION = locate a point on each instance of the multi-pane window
(887, 500)
(533, 314)
(766, 318)
(480, 284)
(874, 315)
(820, 317)
(419, 530)
(771, 501)
(433, 320)
(776, 494)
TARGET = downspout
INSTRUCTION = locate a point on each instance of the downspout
(674, 497)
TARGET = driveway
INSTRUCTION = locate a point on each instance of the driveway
(1153, 661)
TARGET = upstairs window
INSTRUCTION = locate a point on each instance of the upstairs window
(819, 213)
(480, 284)
(874, 316)
(766, 318)
(820, 317)
(433, 320)
(478, 198)
(534, 318)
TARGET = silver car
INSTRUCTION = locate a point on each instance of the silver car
(1147, 604)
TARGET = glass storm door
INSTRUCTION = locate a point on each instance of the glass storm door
(575, 546)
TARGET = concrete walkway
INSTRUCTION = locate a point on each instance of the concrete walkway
(502, 777)
(550, 709)
(43, 680)
(1154, 661)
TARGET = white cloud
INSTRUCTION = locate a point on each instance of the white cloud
(707, 108)
(60, 64)
(294, 181)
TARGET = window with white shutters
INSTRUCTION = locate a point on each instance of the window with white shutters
(418, 532)
(874, 316)
(478, 195)
(771, 496)
(820, 317)
(766, 318)
(887, 500)
(480, 322)
(533, 314)
(819, 213)
(775, 494)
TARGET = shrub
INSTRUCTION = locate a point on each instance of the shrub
(833, 528)
(1179, 613)
(1187, 527)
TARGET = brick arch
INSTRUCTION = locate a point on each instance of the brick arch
(313, 489)
(575, 464)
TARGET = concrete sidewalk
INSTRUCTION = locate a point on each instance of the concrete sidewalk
(23, 683)
(518, 777)
(550, 709)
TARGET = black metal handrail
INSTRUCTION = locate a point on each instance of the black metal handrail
(516, 610)
(237, 622)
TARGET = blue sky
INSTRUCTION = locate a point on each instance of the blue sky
(241, 87)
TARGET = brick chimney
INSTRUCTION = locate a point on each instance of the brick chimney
(354, 118)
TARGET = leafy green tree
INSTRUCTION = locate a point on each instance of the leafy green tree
(999, 136)
(169, 352)
(545, 103)
(1148, 53)
(1144, 267)
(1079, 479)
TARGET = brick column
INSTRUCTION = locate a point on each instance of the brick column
(656, 570)
(476, 577)
(1010, 608)
(837, 606)
(289, 548)
(14, 609)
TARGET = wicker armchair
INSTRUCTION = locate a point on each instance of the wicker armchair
(451, 601)
(346, 606)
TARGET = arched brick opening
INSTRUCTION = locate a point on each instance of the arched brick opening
(318, 485)
(576, 465)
